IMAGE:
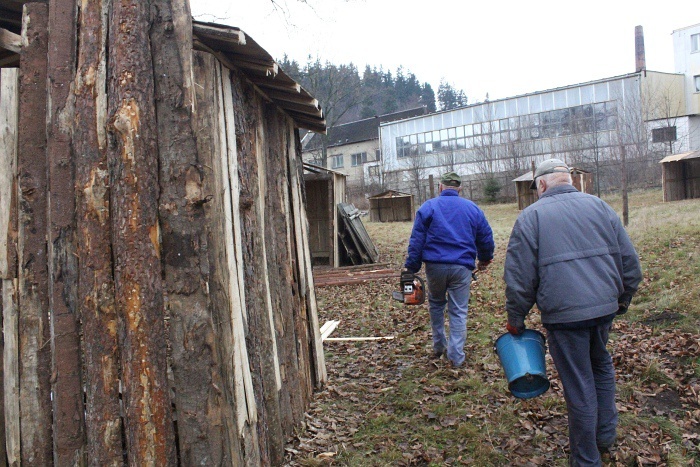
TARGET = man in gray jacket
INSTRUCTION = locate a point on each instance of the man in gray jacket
(569, 254)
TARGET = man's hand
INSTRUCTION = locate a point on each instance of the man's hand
(482, 265)
(622, 308)
(515, 327)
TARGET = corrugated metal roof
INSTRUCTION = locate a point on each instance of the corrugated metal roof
(680, 157)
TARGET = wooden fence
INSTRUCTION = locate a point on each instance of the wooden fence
(158, 304)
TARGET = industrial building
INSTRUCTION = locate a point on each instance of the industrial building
(641, 117)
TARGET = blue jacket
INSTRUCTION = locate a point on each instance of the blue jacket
(449, 229)
(570, 254)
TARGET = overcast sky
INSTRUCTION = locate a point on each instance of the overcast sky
(500, 47)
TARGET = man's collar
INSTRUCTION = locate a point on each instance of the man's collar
(559, 189)
(449, 191)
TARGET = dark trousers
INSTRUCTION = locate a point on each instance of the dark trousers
(588, 377)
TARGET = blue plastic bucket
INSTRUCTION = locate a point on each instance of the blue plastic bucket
(522, 359)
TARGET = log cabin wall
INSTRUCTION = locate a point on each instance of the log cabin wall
(158, 305)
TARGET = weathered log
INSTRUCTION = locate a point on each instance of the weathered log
(133, 161)
(301, 227)
(93, 235)
(9, 96)
(246, 412)
(224, 300)
(67, 394)
(260, 338)
(194, 357)
(300, 311)
(34, 329)
(293, 393)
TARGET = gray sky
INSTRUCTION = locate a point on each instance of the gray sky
(500, 47)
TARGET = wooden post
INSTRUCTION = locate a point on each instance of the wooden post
(184, 230)
(623, 184)
(133, 164)
(9, 97)
(34, 329)
(67, 392)
(93, 238)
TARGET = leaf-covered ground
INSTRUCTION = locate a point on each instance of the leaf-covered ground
(387, 403)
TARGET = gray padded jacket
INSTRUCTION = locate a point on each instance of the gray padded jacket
(569, 254)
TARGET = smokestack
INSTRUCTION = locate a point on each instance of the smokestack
(640, 59)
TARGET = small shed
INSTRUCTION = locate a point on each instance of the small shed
(391, 206)
(525, 195)
(581, 179)
(325, 189)
(680, 176)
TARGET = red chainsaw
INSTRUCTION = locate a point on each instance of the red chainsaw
(412, 289)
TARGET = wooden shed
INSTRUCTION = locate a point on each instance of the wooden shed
(680, 176)
(325, 189)
(524, 194)
(158, 305)
(581, 179)
(391, 206)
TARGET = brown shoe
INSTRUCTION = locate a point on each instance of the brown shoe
(437, 355)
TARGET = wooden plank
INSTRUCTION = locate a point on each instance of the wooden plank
(260, 152)
(11, 379)
(305, 255)
(261, 351)
(292, 395)
(299, 310)
(33, 324)
(10, 41)
(246, 404)
(133, 165)
(209, 140)
(359, 339)
(328, 328)
(194, 344)
(67, 394)
(9, 108)
(96, 299)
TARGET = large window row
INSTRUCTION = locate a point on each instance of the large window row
(590, 118)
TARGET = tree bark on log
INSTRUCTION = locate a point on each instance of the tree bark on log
(93, 233)
(194, 357)
(34, 330)
(293, 393)
(261, 347)
(133, 160)
(33, 324)
(224, 301)
(68, 408)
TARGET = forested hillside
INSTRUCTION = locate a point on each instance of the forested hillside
(348, 95)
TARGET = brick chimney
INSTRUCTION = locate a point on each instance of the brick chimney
(640, 59)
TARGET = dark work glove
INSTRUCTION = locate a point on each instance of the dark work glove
(622, 308)
(515, 326)
(407, 275)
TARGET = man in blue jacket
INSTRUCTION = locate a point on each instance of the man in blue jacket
(449, 234)
(569, 253)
